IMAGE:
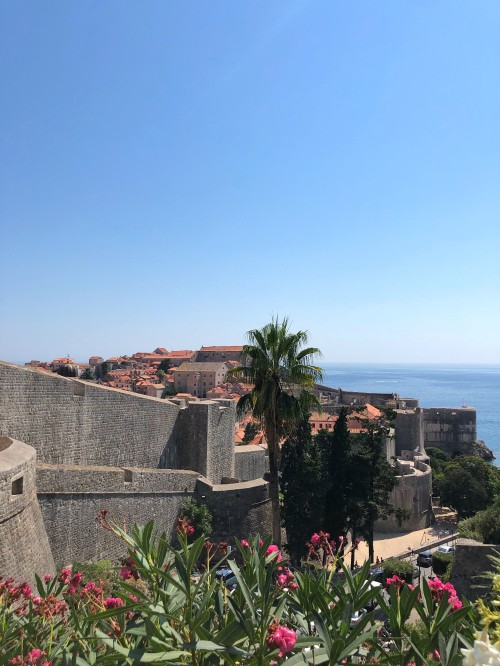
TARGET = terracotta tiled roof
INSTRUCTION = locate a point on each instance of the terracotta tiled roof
(181, 353)
(235, 348)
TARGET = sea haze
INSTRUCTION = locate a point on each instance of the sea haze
(434, 385)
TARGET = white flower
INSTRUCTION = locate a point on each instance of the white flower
(482, 654)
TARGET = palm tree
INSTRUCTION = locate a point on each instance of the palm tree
(279, 365)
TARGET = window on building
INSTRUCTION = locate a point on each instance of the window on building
(17, 486)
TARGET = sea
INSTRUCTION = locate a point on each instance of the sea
(434, 385)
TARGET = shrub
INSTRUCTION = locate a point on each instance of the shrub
(165, 611)
(395, 567)
(441, 563)
(198, 515)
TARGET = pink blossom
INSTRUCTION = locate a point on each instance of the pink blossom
(274, 549)
(47, 578)
(436, 655)
(261, 543)
(65, 575)
(284, 639)
(315, 539)
(244, 543)
(396, 581)
(112, 602)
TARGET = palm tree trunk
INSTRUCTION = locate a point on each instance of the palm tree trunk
(274, 491)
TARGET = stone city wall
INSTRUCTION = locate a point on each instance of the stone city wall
(238, 509)
(452, 430)
(413, 491)
(470, 564)
(70, 422)
(409, 429)
(24, 547)
(250, 462)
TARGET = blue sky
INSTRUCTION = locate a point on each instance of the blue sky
(176, 173)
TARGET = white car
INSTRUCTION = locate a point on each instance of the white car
(446, 549)
(357, 617)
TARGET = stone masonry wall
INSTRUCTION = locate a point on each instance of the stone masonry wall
(250, 462)
(471, 562)
(238, 509)
(449, 429)
(72, 496)
(72, 422)
(24, 547)
(412, 492)
(207, 438)
(409, 431)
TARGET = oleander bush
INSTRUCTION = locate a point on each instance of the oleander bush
(170, 606)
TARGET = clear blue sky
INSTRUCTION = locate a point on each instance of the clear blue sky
(175, 173)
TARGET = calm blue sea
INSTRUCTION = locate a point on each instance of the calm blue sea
(434, 385)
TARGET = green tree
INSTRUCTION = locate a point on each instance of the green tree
(337, 468)
(280, 368)
(67, 370)
(374, 478)
(251, 430)
(88, 374)
(484, 526)
(469, 485)
(104, 369)
(161, 375)
(165, 365)
(301, 487)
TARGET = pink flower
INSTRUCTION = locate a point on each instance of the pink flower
(274, 549)
(436, 655)
(47, 578)
(315, 539)
(65, 575)
(282, 638)
(261, 543)
(282, 579)
(396, 581)
(112, 602)
(244, 543)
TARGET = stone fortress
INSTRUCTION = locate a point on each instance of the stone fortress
(69, 448)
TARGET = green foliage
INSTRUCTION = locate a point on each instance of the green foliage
(104, 369)
(67, 370)
(374, 480)
(339, 476)
(165, 365)
(181, 615)
(88, 374)
(438, 459)
(251, 431)
(469, 485)
(441, 563)
(484, 526)
(103, 572)
(302, 489)
(280, 369)
(199, 516)
(394, 567)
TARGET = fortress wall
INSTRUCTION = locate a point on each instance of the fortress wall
(206, 441)
(250, 462)
(409, 431)
(412, 492)
(93, 479)
(361, 398)
(73, 422)
(24, 547)
(75, 534)
(450, 429)
(471, 562)
(238, 509)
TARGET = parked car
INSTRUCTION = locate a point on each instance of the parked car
(357, 617)
(373, 603)
(424, 559)
(446, 549)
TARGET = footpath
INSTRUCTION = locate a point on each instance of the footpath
(401, 545)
